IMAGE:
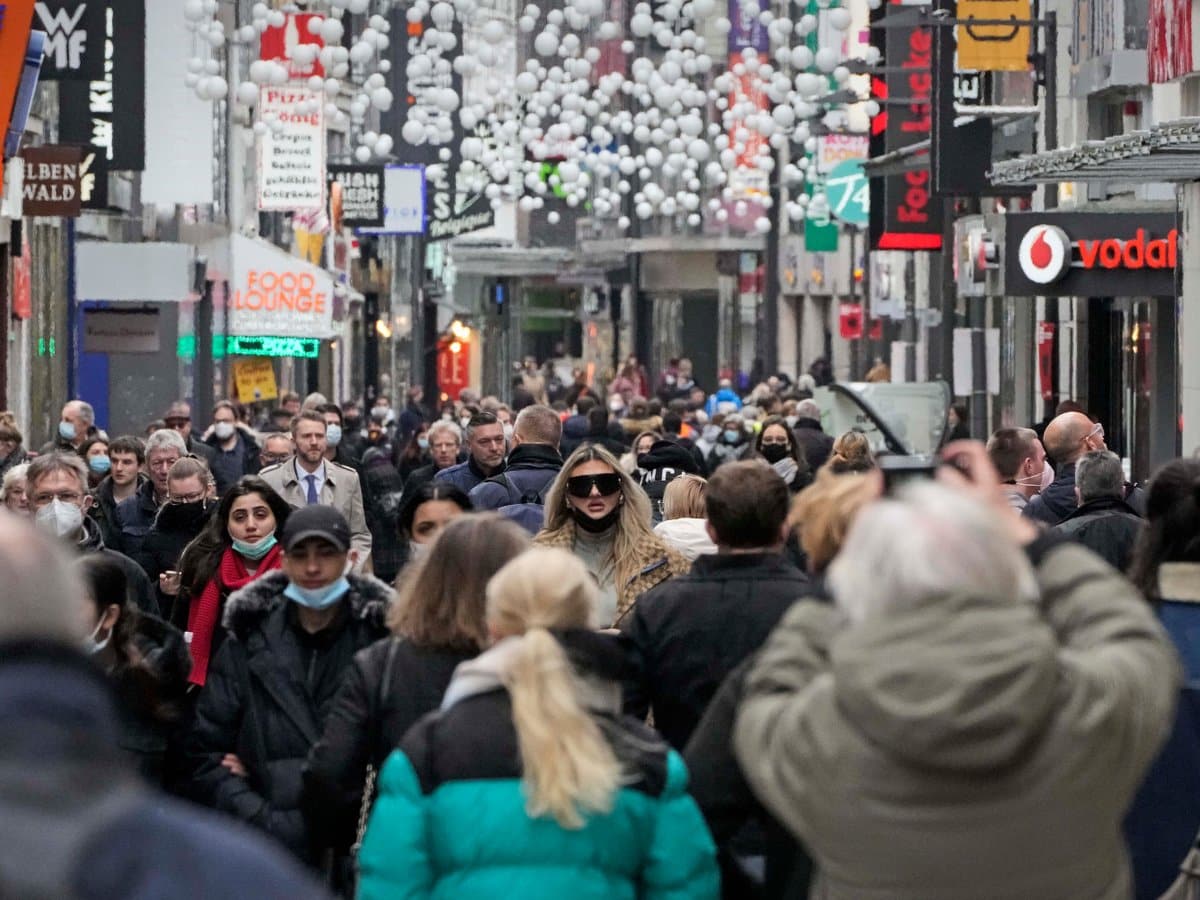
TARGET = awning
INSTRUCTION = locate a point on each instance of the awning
(1166, 153)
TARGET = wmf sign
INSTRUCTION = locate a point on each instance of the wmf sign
(75, 34)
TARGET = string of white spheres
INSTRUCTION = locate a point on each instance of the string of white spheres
(676, 137)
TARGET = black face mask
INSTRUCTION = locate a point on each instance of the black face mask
(190, 516)
(773, 453)
(352, 423)
(595, 526)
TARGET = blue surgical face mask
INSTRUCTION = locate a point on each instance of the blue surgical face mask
(318, 598)
(423, 442)
(66, 431)
(255, 551)
(333, 435)
(732, 437)
(99, 464)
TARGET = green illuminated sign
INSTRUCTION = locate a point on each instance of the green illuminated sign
(301, 348)
(237, 345)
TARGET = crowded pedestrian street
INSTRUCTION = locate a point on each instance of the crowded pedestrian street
(668, 450)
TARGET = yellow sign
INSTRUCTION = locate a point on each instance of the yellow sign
(255, 380)
(993, 48)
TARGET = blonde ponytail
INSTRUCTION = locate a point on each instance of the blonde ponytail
(569, 768)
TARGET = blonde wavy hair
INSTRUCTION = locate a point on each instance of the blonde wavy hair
(633, 526)
(684, 498)
(823, 513)
(851, 453)
(569, 768)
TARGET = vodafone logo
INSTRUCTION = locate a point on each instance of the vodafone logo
(1044, 254)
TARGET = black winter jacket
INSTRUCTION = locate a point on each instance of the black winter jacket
(739, 824)
(390, 686)
(104, 510)
(1057, 501)
(666, 461)
(243, 459)
(174, 528)
(134, 518)
(692, 631)
(77, 822)
(531, 470)
(815, 444)
(1108, 527)
(268, 694)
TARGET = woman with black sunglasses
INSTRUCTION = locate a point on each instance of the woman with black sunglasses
(596, 511)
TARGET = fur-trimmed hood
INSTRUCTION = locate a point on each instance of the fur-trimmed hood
(369, 599)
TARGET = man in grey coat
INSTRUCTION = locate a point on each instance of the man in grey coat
(308, 478)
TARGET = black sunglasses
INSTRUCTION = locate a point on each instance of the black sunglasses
(581, 485)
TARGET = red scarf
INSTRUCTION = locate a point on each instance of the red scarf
(202, 616)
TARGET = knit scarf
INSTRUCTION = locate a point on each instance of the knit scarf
(205, 609)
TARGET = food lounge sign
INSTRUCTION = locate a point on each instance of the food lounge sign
(1091, 255)
(273, 293)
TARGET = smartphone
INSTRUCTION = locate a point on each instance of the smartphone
(900, 470)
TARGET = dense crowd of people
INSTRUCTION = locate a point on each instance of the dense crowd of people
(641, 642)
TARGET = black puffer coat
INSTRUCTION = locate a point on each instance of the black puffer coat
(175, 526)
(1107, 526)
(390, 686)
(268, 694)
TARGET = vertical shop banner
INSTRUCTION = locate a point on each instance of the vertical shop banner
(75, 38)
(107, 116)
(905, 215)
(279, 45)
(455, 200)
(179, 148)
(50, 186)
(747, 30)
(291, 162)
(1171, 46)
(15, 25)
(355, 196)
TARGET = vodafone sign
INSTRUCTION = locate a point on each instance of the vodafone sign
(1091, 254)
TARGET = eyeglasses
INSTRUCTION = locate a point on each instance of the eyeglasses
(270, 459)
(581, 485)
(1097, 431)
(187, 498)
(177, 423)
(72, 497)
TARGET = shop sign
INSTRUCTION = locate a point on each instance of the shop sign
(993, 48)
(279, 45)
(74, 38)
(355, 196)
(255, 380)
(50, 186)
(906, 216)
(850, 321)
(834, 149)
(1091, 254)
(275, 294)
(273, 345)
(454, 367)
(291, 163)
(118, 331)
(403, 201)
(849, 193)
(22, 291)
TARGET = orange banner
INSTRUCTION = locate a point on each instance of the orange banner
(16, 19)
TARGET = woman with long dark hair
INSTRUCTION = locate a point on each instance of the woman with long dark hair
(145, 659)
(238, 545)
(776, 444)
(423, 515)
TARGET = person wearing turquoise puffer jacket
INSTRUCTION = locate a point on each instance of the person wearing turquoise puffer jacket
(528, 782)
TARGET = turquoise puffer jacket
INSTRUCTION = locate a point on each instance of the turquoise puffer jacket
(450, 821)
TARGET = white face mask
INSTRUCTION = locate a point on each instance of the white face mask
(1043, 481)
(93, 646)
(60, 519)
(416, 551)
(223, 430)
